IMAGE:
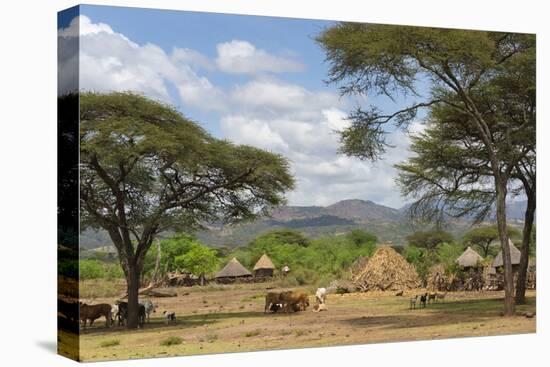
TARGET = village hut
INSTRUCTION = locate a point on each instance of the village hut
(515, 256)
(232, 271)
(264, 267)
(387, 270)
(469, 259)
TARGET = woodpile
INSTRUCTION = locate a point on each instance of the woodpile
(387, 270)
(438, 280)
(358, 266)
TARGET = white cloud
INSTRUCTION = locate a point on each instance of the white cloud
(265, 112)
(302, 125)
(244, 58)
(109, 61)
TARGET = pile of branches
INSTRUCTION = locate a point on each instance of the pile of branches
(357, 267)
(387, 270)
(438, 280)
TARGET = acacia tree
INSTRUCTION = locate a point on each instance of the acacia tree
(144, 168)
(458, 67)
(484, 236)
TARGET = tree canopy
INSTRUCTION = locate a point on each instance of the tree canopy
(429, 239)
(145, 168)
(476, 83)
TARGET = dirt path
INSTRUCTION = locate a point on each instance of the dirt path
(232, 320)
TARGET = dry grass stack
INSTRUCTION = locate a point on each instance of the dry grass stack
(357, 267)
(386, 270)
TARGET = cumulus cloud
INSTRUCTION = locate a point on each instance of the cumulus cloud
(109, 61)
(243, 57)
(264, 111)
(303, 125)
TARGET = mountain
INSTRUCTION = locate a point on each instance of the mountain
(388, 224)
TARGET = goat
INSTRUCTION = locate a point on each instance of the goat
(169, 316)
(423, 299)
(431, 297)
(412, 302)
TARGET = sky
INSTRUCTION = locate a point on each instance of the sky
(253, 80)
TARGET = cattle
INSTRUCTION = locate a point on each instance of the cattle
(93, 312)
(271, 299)
(431, 297)
(321, 295)
(150, 307)
(294, 300)
(123, 313)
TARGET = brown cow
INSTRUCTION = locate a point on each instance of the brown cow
(294, 300)
(272, 299)
(93, 312)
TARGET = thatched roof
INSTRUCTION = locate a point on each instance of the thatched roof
(469, 258)
(233, 269)
(264, 263)
(515, 256)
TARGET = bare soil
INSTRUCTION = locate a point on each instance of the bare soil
(230, 318)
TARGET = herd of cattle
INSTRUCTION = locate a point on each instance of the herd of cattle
(117, 314)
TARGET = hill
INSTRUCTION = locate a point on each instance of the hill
(388, 224)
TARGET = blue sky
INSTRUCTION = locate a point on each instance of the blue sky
(253, 80)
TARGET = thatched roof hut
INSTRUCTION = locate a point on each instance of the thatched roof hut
(515, 256)
(469, 258)
(264, 267)
(232, 270)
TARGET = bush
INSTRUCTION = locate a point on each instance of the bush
(109, 343)
(172, 340)
(256, 332)
(96, 269)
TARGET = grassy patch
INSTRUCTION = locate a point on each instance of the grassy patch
(250, 333)
(100, 288)
(172, 340)
(109, 343)
(300, 332)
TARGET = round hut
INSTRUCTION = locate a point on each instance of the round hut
(515, 256)
(469, 259)
(232, 272)
(264, 267)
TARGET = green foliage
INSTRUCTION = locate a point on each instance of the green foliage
(198, 260)
(96, 269)
(481, 239)
(429, 239)
(316, 261)
(170, 248)
(360, 237)
(423, 259)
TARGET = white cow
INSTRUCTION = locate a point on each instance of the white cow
(321, 295)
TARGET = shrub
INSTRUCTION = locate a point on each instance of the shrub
(172, 340)
(256, 332)
(109, 343)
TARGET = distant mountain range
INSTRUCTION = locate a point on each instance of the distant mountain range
(389, 224)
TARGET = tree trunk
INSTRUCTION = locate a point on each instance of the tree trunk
(156, 273)
(524, 262)
(501, 192)
(133, 292)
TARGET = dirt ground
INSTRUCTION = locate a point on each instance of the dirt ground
(231, 319)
